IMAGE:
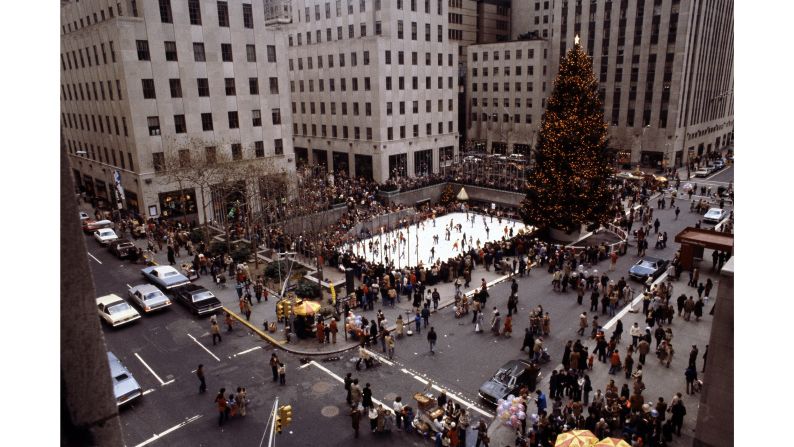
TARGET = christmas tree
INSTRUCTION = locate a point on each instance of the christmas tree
(569, 183)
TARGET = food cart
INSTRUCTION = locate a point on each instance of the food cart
(427, 411)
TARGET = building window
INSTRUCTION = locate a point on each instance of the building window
(226, 52)
(143, 50)
(276, 115)
(148, 89)
(223, 14)
(170, 51)
(165, 11)
(273, 86)
(206, 121)
(179, 124)
(198, 52)
(253, 86)
(271, 53)
(154, 125)
(203, 86)
(237, 151)
(250, 52)
(278, 145)
(234, 121)
(248, 16)
(194, 11)
(256, 117)
(158, 161)
(229, 85)
(259, 149)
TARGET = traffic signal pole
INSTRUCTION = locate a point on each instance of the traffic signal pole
(271, 422)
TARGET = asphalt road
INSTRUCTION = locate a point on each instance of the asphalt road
(163, 350)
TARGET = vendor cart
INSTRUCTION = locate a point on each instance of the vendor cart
(427, 412)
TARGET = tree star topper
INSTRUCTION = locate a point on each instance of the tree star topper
(576, 40)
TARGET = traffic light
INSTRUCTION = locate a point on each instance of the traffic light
(278, 424)
(285, 414)
(279, 310)
(287, 308)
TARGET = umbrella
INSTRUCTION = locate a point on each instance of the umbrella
(612, 442)
(305, 308)
(576, 438)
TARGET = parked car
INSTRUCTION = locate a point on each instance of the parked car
(105, 236)
(90, 225)
(125, 387)
(508, 380)
(149, 298)
(115, 311)
(715, 215)
(703, 172)
(647, 266)
(199, 300)
(719, 164)
(122, 248)
(164, 276)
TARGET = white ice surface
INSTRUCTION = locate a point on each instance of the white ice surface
(426, 230)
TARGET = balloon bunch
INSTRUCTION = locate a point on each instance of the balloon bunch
(511, 411)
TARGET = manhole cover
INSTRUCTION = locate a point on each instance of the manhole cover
(321, 387)
(330, 411)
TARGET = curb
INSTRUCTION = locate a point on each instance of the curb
(283, 345)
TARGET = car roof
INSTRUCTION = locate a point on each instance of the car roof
(145, 288)
(116, 367)
(715, 210)
(163, 268)
(650, 259)
(190, 287)
(107, 299)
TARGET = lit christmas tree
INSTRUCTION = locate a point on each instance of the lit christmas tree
(569, 183)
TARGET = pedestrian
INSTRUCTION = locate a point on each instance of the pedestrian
(583, 323)
(320, 331)
(355, 394)
(496, 322)
(508, 329)
(355, 417)
(282, 373)
(636, 333)
(431, 338)
(366, 396)
(228, 321)
(418, 321)
(677, 212)
(482, 434)
(171, 258)
(628, 364)
(678, 411)
(258, 288)
(215, 330)
(613, 257)
(274, 362)
(689, 306)
(333, 329)
(389, 345)
(643, 348)
(348, 382)
(242, 401)
(223, 406)
(202, 381)
(704, 359)
(426, 315)
(239, 289)
(245, 308)
(691, 375)
(698, 310)
(693, 355)
(398, 408)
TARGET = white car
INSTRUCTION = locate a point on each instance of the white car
(703, 172)
(715, 215)
(149, 298)
(105, 236)
(115, 311)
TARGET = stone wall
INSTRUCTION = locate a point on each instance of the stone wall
(314, 222)
(476, 194)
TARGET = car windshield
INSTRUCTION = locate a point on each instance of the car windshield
(503, 375)
(201, 296)
(153, 296)
(118, 307)
(105, 232)
(126, 245)
(646, 264)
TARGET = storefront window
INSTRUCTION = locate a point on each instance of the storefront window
(178, 203)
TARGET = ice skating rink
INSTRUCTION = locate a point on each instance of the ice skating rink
(409, 246)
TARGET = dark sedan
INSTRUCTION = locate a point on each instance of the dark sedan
(508, 380)
(123, 248)
(646, 267)
(199, 300)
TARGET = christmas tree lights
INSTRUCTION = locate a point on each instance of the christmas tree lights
(569, 186)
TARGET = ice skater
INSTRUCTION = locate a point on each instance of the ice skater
(432, 254)
(455, 246)
(487, 233)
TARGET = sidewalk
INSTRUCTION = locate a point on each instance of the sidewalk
(660, 381)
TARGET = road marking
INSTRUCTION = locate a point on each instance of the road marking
(246, 351)
(453, 396)
(148, 391)
(94, 258)
(204, 347)
(174, 428)
(304, 365)
(634, 302)
(152, 371)
(341, 380)
(381, 359)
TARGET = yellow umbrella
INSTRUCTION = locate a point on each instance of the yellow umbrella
(305, 307)
(612, 442)
(576, 438)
